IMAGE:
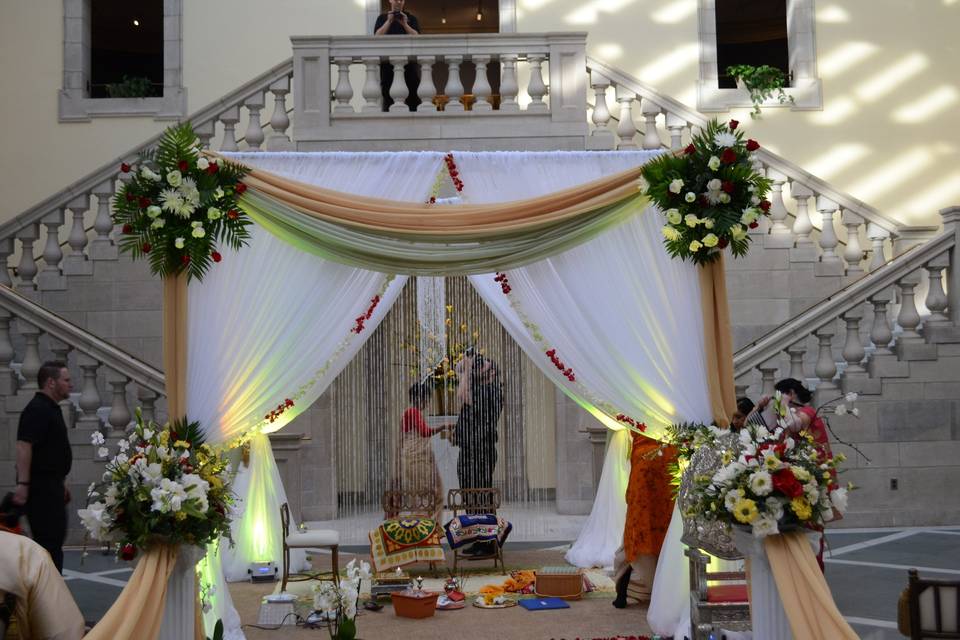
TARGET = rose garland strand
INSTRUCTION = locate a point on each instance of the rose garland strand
(360, 320)
(453, 171)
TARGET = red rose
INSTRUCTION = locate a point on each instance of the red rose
(185, 259)
(723, 243)
(734, 124)
(130, 196)
(212, 168)
(125, 167)
(729, 156)
(144, 202)
(752, 145)
(754, 224)
(727, 186)
(690, 150)
(232, 214)
(146, 247)
(128, 552)
(765, 205)
(127, 229)
(216, 256)
(703, 201)
(183, 165)
(786, 483)
(241, 188)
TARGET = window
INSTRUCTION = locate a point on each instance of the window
(778, 33)
(455, 16)
(122, 59)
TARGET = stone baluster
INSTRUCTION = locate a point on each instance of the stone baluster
(61, 353)
(601, 137)
(626, 129)
(880, 334)
(801, 224)
(399, 89)
(877, 237)
(951, 222)
(230, 118)
(481, 85)
(536, 89)
(852, 254)
(278, 140)
(853, 351)
(30, 366)
(936, 297)
(6, 248)
(76, 263)
(148, 404)
(205, 132)
(89, 393)
(509, 86)
(675, 125)
(797, 351)
(740, 388)
(102, 247)
(908, 318)
(50, 278)
(828, 235)
(254, 136)
(27, 269)
(826, 367)
(454, 88)
(426, 91)
(780, 235)
(651, 137)
(371, 85)
(768, 377)
(343, 93)
(119, 416)
(8, 381)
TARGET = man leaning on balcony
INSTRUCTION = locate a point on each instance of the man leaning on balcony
(398, 22)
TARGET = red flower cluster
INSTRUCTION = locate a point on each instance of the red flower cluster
(276, 413)
(241, 188)
(733, 124)
(786, 483)
(360, 320)
(453, 171)
(729, 156)
(558, 363)
(232, 214)
(625, 419)
(504, 283)
(125, 168)
(183, 165)
(216, 256)
(128, 552)
(213, 167)
(433, 199)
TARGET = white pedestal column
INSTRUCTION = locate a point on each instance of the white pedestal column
(181, 604)
(766, 610)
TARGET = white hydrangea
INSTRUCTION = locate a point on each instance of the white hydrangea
(96, 438)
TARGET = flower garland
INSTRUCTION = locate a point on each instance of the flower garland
(178, 205)
(566, 371)
(710, 194)
(361, 319)
(504, 282)
(276, 413)
(636, 424)
(454, 172)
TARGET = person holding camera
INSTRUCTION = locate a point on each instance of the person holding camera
(398, 22)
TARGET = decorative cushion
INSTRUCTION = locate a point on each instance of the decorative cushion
(731, 593)
(313, 538)
(485, 527)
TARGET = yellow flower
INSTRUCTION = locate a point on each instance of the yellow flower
(449, 308)
(726, 458)
(772, 463)
(463, 327)
(840, 457)
(802, 508)
(801, 474)
(181, 444)
(181, 515)
(710, 240)
(164, 437)
(826, 475)
(745, 510)
(215, 482)
(448, 322)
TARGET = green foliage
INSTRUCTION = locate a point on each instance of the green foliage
(763, 83)
(217, 631)
(131, 87)
(727, 222)
(173, 191)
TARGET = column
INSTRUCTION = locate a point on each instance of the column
(675, 125)
(30, 366)
(796, 351)
(936, 297)
(119, 416)
(781, 237)
(908, 318)
(399, 89)
(89, 394)
(852, 254)
(853, 351)
(27, 269)
(876, 235)
(600, 137)
(880, 334)
(230, 118)
(371, 85)
(826, 367)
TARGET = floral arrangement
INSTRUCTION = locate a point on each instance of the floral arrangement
(339, 601)
(446, 350)
(762, 82)
(709, 192)
(178, 205)
(774, 482)
(164, 485)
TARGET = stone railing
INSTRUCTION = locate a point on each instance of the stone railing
(475, 91)
(41, 335)
(867, 231)
(88, 199)
(908, 336)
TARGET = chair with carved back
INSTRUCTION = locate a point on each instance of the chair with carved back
(476, 502)
(933, 607)
(410, 531)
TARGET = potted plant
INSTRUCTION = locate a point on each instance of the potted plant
(131, 87)
(763, 82)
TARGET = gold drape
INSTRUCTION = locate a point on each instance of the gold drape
(718, 341)
(806, 597)
(175, 344)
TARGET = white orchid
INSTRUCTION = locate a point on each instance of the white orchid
(851, 397)
(96, 520)
(840, 410)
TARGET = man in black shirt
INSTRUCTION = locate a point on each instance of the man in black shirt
(44, 459)
(397, 22)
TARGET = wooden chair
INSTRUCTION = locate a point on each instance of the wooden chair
(934, 607)
(398, 503)
(715, 607)
(482, 501)
(309, 539)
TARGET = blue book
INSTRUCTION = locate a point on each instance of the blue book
(539, 604)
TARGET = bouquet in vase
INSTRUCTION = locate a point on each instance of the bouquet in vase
(338, 601)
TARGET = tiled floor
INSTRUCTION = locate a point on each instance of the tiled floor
(866, 570)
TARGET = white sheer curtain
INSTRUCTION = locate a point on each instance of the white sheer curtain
(271, 320)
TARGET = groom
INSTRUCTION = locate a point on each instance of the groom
(481, 396)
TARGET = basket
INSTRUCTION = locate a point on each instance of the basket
(414, 603)
(559, 582)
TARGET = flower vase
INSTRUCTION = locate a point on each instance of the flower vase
(181, 600)
(768, 618)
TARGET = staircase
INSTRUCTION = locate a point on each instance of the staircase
(833, 292)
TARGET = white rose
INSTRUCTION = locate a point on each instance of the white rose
(198, 232)
(714, 185)
(673, 216)
(691, 220)
(725, 198)
(213, 213)
(710, 240)
(178, 243)
(153, 211)
(707, 222)
(202, 163)
(676, 185)
(174, 178)
(690, 197)
(713, 163)
(764, 526)
(695, 246)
